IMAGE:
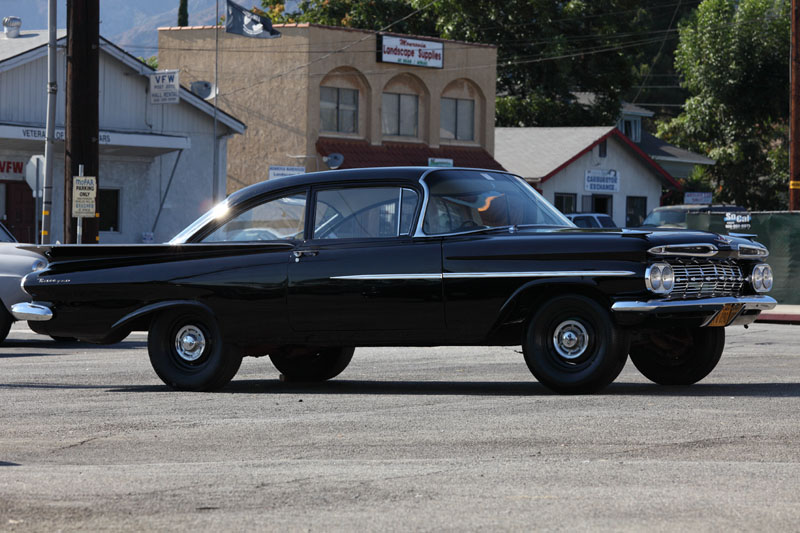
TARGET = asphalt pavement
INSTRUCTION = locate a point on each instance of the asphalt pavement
(406, 439)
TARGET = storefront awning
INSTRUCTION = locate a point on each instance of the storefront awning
(31, 139)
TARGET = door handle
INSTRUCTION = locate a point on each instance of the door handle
(303, 253)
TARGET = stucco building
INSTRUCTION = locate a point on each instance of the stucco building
(156, 160)
(319, 90)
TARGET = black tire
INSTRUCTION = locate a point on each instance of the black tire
(5, 322)
(311, 364)
(573, 347)
(203, 366)
(679, 356)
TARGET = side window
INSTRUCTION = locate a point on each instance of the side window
(364, 212)
(281, 218)
(585, 222)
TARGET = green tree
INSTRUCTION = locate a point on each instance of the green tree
(733, 57)
(547, 49)
(183, 13)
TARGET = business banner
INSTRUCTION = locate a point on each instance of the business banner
(410, 51)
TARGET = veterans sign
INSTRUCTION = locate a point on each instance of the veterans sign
(410, 51)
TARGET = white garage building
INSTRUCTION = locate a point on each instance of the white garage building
(156, 160)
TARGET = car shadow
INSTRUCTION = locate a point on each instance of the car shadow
(486, 388)
(36, 347)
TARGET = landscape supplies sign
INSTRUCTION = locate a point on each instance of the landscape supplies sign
(697, 198)
(84, 192)
(601, 180)
(164, 87)
(410, 51)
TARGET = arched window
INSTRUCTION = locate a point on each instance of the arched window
(343, 97)
(404, 105)
(461, 109)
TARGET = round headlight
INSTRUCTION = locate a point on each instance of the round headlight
(767, 282)
(758, 278)
(667, 278)
(655, 278)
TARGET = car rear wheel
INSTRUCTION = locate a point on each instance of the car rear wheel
(679, 356)
(187, 351)
(573, 347)
(304, 363)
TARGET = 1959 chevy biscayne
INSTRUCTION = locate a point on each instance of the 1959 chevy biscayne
(305, 268)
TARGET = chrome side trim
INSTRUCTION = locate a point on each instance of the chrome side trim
(389, 276)
(473, 275)
(31, 311)
(685, 250)
(760, 303)
(539, 274)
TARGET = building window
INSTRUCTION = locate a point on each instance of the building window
(400, 114)
(338, 109)
(565, 202)
(602, 149)
(108, 207)
(457, 120)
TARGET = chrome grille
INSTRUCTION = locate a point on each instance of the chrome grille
(706, 279)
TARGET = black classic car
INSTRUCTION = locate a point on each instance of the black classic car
(305, 268)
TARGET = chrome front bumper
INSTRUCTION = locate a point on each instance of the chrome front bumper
(713, 306)
(31, 311)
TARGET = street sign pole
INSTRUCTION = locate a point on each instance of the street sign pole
(80, 218)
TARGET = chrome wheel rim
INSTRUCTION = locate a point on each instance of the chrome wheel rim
(570, 339)
(190, 343)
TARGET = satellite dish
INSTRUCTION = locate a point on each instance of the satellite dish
(333, 160)
(203, 89)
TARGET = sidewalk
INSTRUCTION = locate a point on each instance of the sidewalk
(782, 314)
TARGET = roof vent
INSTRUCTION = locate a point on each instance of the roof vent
(11, 27)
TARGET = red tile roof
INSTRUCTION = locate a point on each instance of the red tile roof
(359, 154)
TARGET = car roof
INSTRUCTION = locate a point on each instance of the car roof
(589, 215)
(408, 174)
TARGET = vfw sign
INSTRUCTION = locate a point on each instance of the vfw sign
(164, 87)
(12, 169)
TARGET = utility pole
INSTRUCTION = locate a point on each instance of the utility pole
(794, 104)
(50, 126)
(82, 122)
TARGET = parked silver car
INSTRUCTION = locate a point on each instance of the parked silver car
(14, 265)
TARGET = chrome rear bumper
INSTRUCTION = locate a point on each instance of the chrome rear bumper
(31, 311)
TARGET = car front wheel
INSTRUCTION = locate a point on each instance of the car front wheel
(302, 363)
(679, 356)
(573, 347)
(188, 353)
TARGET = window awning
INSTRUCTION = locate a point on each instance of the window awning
(360, 154)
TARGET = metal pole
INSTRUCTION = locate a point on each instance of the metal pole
(38, 195)
(215, 186)
(50, 128)
(794, 104)
(80, 218)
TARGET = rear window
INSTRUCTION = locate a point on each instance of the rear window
(606, 222)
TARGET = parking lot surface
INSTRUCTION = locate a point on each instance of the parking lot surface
(422, 439)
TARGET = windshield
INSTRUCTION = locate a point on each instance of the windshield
(464, 200)
(666, 217)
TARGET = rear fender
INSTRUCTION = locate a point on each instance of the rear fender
(140, 319)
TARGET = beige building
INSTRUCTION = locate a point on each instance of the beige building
(318, 90)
